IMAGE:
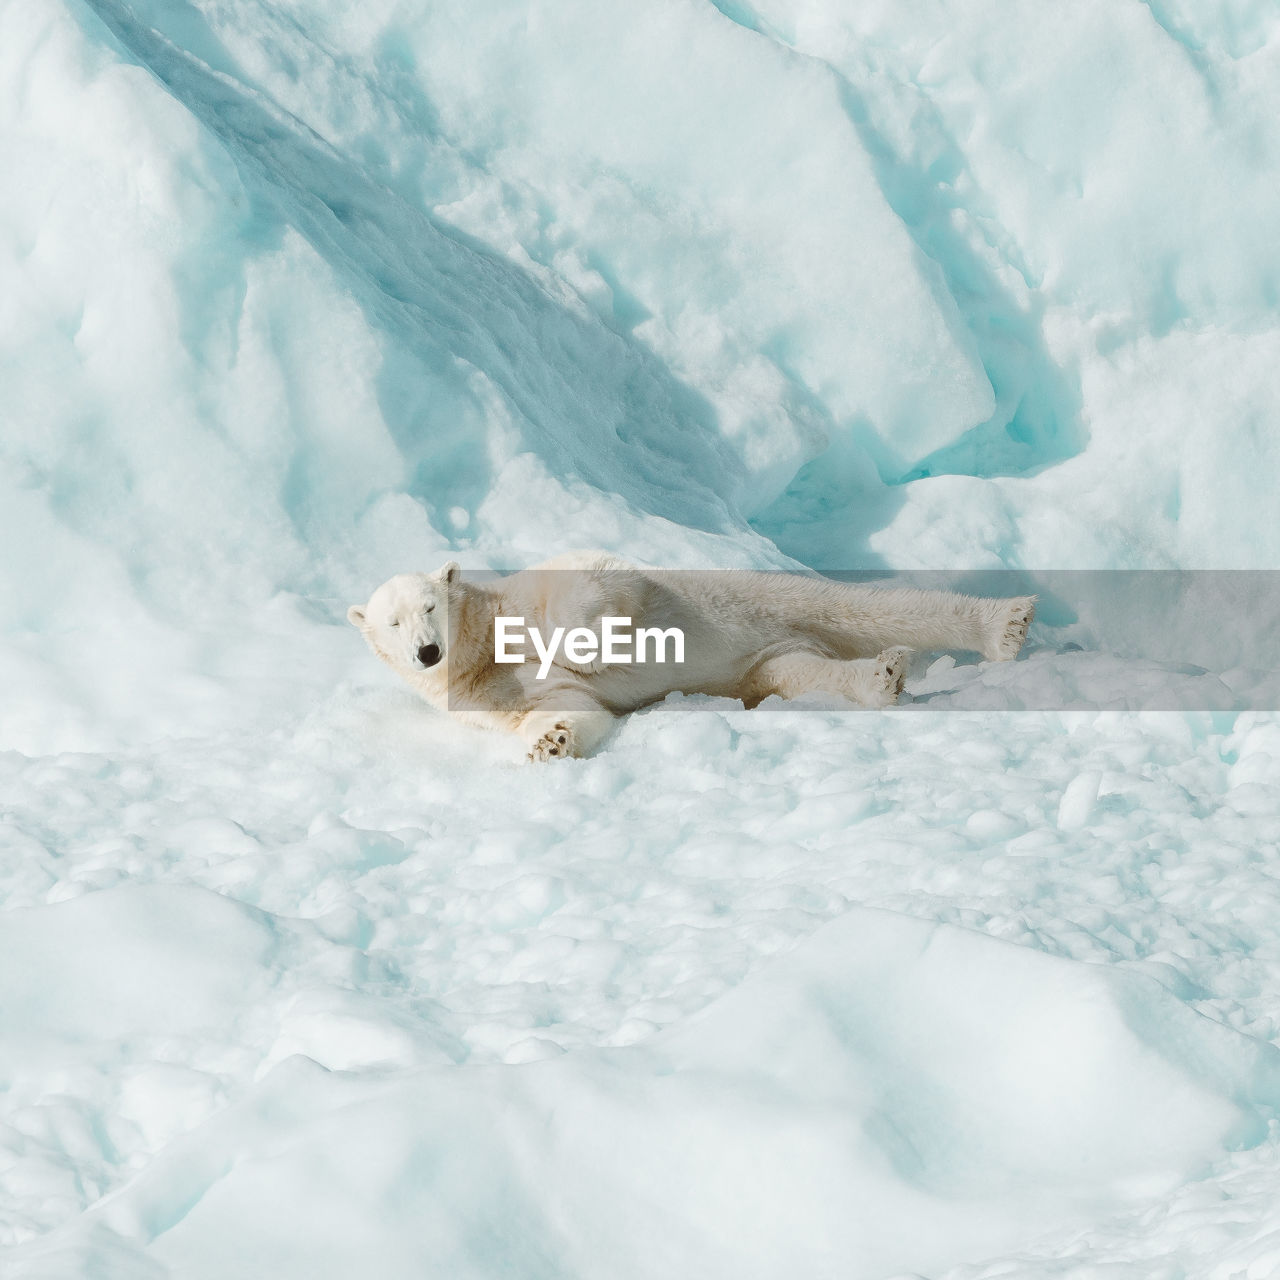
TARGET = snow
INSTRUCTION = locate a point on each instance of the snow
(317, 978)
(299, 978)
(853, 1072)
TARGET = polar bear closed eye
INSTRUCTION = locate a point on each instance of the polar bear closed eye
(406, 621)
(742, 634)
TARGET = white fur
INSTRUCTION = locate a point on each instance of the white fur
(747, 635)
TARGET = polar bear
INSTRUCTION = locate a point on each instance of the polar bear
(746, 635)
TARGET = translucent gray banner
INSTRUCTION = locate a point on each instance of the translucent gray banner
(1175, 640)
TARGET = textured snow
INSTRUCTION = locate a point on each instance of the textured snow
(298, 978)
(857, 1071)
(303, 957)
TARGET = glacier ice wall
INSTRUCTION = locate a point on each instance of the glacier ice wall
(293, 296)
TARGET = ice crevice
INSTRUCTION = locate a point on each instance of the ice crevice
(619, 390)
(590, 402)
(978, 265)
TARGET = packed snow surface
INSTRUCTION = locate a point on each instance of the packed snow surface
(749, 989)
(300, 979)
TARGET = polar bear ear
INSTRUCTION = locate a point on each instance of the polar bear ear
(355, 616)
(449, 573)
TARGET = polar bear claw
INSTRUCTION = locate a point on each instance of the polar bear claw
(556, 743)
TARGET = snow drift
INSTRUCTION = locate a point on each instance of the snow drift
(892, 1093)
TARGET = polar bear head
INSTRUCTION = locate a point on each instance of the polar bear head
(406, 621)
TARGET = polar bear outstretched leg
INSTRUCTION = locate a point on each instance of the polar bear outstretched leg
(1009, 629)
(888, 672)
(565, 727)
(869, 682)
(857, 621)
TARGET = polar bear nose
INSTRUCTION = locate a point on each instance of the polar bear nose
(429, 654)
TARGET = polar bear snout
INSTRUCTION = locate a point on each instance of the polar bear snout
(428, 654)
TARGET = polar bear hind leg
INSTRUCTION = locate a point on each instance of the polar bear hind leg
(1010, 629)
(868, 682)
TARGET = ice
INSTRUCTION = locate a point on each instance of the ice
(136, 962)
(393, 295)
(371, 962)
(1078, 801)
(892, 1092)
(297, 977)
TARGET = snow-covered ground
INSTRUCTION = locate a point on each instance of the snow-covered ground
(298, 978)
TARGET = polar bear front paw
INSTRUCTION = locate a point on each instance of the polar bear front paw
(556, 744)
(890, 672)
(1011, 630)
